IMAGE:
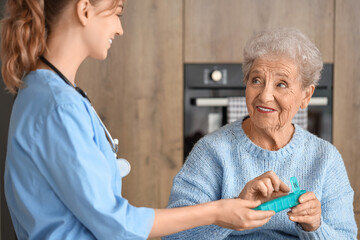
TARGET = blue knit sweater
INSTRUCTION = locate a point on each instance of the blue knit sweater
(222, 163)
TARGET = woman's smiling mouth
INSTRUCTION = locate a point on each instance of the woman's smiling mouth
(263, 109)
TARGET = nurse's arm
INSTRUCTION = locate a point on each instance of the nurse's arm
(228, 213)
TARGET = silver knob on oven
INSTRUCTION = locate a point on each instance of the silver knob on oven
(216, 75)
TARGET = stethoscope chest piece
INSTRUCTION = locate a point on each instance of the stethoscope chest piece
(123, 164)
(124, 167)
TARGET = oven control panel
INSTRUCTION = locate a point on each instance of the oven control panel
(213, 76)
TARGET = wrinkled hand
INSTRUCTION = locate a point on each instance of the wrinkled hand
(307, 213)
(237, 214)
(265, 187)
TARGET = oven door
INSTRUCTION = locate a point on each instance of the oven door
(206, 103)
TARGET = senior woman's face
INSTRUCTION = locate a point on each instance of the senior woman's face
(274, 92)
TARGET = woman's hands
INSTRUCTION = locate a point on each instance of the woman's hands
(264, 188)
(268, 186)
(307, 213)
(237, 214)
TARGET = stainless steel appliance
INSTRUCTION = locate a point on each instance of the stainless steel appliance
(208, 87)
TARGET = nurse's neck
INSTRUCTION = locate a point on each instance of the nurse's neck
(63, 53)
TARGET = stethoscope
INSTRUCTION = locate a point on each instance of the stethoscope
(123, 164)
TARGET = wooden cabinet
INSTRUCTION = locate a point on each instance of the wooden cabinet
(137, 91)
(217, 30)
(347, 91)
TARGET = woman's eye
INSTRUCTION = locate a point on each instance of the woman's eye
(282, 85)
(255, 81)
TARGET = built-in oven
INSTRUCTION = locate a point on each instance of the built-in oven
(213, 90)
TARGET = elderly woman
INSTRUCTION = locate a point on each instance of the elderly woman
(281, 68)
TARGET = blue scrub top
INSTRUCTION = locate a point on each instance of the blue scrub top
(61, 177)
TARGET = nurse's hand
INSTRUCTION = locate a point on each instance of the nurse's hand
(237, 214)
(265, 187)
(228, 213)
(307, 213)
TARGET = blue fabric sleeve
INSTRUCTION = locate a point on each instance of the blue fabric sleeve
(337, 196)
(83, 179)
(197, 182)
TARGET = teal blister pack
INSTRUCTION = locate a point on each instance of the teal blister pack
(284, 202)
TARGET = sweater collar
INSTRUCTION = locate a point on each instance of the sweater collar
(261, 153)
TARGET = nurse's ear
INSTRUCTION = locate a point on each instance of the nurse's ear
(307, 94)
(83, 8)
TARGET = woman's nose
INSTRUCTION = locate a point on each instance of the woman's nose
(119, 29)
(267, 93)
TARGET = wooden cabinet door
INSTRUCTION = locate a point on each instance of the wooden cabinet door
(347, 91)
(217, 30)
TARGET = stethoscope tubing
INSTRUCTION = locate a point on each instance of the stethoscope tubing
(123, 164)
(113, 143)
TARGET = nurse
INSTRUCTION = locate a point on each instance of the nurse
(61, 177)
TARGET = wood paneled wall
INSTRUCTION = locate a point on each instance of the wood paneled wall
(347, 91)
(217, 30)
(138, 93)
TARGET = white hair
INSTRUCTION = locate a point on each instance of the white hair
(289, 42)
